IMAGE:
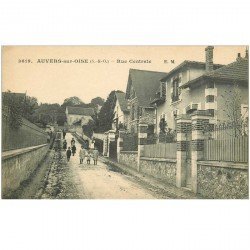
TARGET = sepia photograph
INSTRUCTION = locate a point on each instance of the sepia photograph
(125, 122)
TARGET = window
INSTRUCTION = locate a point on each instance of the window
(210, 98)
(210, 85)
(140, 111)
(176, 90)
(163, 90)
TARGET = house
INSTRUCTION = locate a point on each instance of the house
(75, 114)
(201, 86)
(121, 112)
(142, 86)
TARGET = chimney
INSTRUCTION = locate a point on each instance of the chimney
(246, 56)
(209, 58)
(238, 57)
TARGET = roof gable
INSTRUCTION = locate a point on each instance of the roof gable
(80, 111)
(235, 71)
(190, 64)
(145, 84)
(120, 96)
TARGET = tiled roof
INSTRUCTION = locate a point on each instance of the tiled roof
(145, 84)
(194, 64)
(80, 111)
(122, 101)
(236, 71)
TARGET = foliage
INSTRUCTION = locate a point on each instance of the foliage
(50, 113)
(163, 125)
(232, 104)
(19, 105)
(97, 101)
(106, 114)
(88, 128)
(77, 102)
(72, 101)
(30, 104)
(15, 113)
(166, 134)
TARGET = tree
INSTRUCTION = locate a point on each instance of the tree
(50, 113)
(97, 101)
(88, 128)
(19, 105)
(232, 103)
(163, 125)
(72, 101)
(106, 114)
(30, 104)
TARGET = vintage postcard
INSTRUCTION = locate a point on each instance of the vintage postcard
(125, 122)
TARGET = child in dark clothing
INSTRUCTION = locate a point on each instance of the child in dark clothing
(73, 148)
(68, 153)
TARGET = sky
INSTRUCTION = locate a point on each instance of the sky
(54, 82)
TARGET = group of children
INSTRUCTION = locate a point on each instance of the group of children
(82, 152)
(88, 154)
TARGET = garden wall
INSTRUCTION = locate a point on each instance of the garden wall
(129, 158)
(163, 169)
(222, 180)
(18, 165)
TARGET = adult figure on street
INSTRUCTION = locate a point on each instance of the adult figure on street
(64, 145)
(73, 148)
(68, 153)
(73, 142)
(64, 133)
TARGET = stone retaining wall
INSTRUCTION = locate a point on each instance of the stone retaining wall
(164, 169)
(222, 180)
(129, 158)
(17, 166)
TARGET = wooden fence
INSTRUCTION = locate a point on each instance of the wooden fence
(234, 149)
(160, 150)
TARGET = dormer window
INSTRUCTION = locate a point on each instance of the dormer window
(163, 90)
(210, 98)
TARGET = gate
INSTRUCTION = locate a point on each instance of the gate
(113, 150)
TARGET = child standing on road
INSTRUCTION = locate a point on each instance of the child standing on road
(68, 153)
(81, 154)
(88, 157)
(95, 156)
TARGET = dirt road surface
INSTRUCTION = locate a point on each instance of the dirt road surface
(55, 178)
(99, 182)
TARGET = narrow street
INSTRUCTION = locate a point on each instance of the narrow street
(99, 182)
(58, 179)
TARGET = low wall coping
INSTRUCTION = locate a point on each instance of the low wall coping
(158, 159)
(224, 164)
(12, 153)
(128, 152)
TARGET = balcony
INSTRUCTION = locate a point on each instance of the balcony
(191, 108)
